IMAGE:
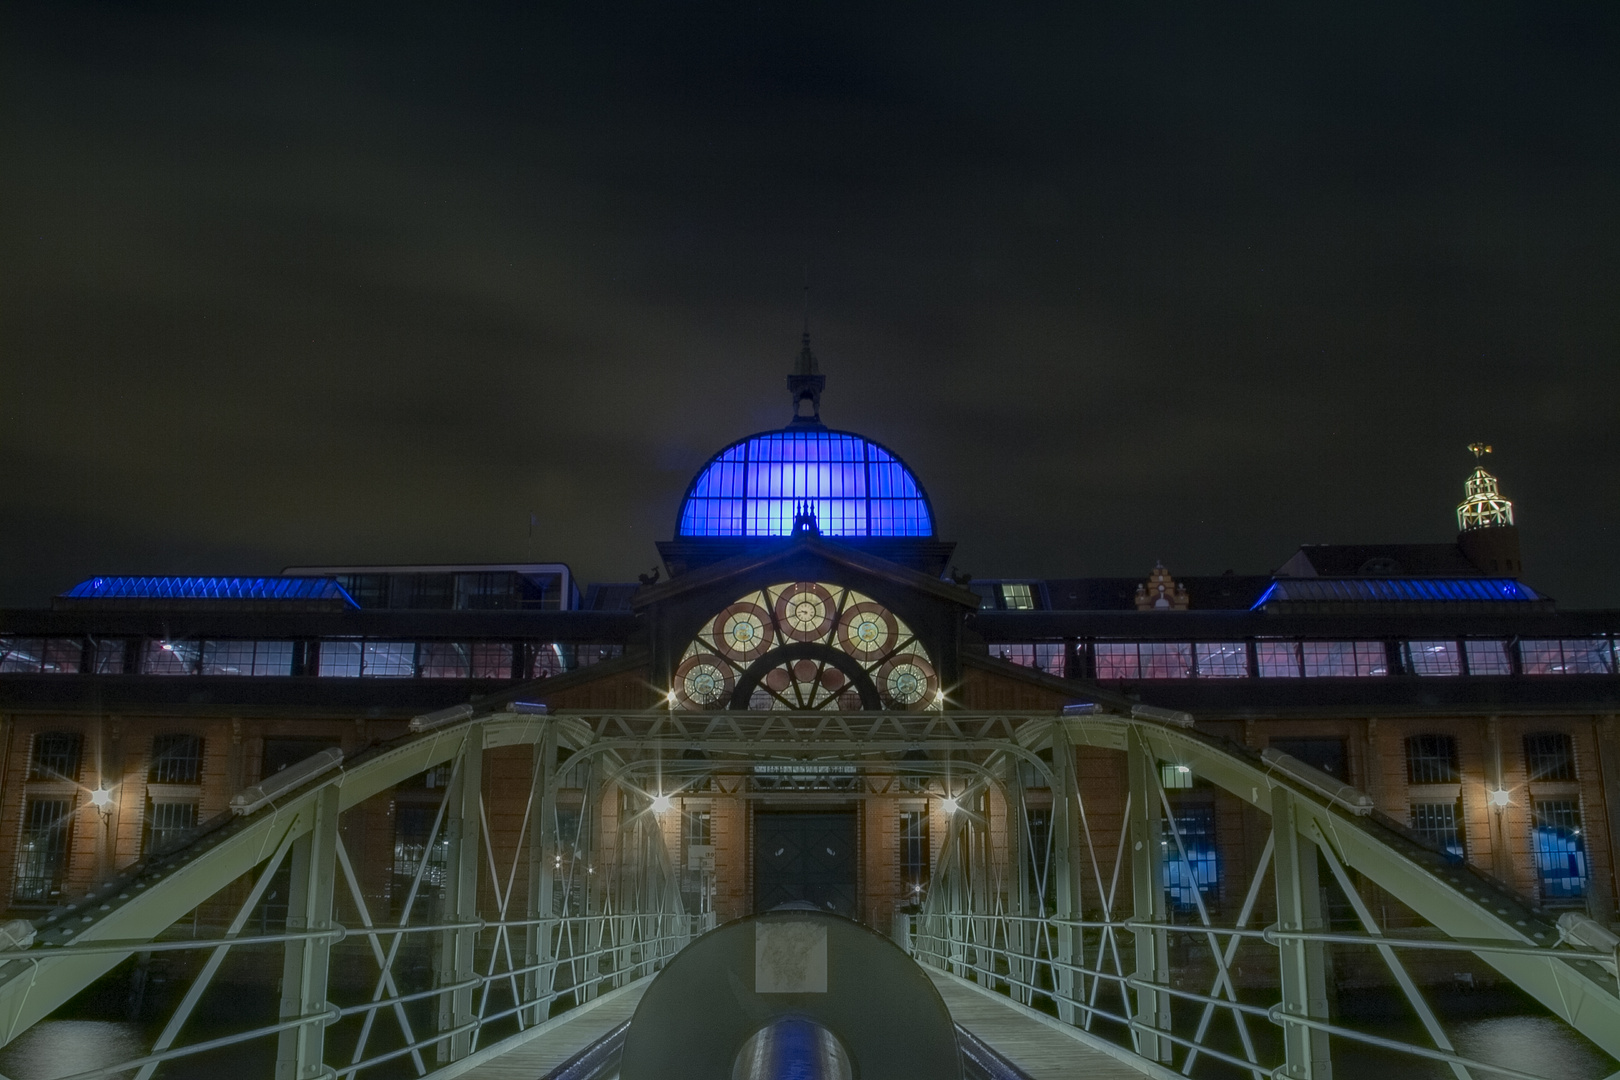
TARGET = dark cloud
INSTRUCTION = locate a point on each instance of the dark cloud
(288, 285)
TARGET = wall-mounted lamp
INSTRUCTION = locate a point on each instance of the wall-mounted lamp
(950, 804)
(102, 800)
(661, 804)
(1500, 798)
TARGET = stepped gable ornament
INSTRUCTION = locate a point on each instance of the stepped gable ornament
(1160, 592)
(1483, 506)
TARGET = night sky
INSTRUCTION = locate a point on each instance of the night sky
(1196, 283)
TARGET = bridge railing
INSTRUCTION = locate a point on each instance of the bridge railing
(319, 962)
(1079, 925)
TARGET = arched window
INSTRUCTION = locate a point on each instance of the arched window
(806, 645)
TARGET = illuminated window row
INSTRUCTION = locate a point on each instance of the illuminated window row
(343, 657)
(1275, 658)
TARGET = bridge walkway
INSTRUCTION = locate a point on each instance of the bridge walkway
(541, 1049)
(1039, 1045)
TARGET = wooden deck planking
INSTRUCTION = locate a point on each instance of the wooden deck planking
(1040, 1045)
(553, 1042)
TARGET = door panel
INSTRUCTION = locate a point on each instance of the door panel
(806, 857)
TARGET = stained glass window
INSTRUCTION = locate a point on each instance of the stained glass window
(1560, 849)
(853, 486)
(835, 647)
(1200, 872)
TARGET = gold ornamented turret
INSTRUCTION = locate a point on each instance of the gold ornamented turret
(1160, 592)
(1483, 506)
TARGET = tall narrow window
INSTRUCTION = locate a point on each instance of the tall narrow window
(167, 822)
(1039, 820)
(1440, 825)
(176, 759)
(913, 853)
(1548, 756)
(699, 828)
(55, 756)
(1560, 849)
(1324, 754)
(43, 855)
(413, 824)
(1200, 872)
(1431, 759)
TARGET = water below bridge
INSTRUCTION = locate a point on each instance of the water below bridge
(1499, 1026)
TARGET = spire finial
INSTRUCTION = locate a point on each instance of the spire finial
(806, 381)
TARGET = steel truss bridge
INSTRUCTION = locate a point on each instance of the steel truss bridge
(1028, 898)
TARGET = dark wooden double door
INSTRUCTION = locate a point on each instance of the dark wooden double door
(806, 856)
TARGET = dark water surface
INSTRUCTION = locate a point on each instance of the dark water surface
(1536, 1044)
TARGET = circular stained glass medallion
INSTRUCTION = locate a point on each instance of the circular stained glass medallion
(742, 632)
(868, 631)
(805, 611)
(703, 681)
(908, 680)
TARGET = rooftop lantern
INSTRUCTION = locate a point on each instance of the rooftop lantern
(1483, 506)
(1485, 530)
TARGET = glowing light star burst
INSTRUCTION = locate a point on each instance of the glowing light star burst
(661, 804)
(950, 804)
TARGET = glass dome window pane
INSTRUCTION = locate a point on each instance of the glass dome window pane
(854, 487)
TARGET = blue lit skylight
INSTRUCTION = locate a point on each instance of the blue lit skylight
(1395, 590)
(854, 486)
(208, 588)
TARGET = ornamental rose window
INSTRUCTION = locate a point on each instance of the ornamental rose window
(806, 645)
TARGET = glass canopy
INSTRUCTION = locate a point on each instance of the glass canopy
(853, 486)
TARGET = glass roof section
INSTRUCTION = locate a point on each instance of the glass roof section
(1396, 590)
(208, 588)
(854, 486)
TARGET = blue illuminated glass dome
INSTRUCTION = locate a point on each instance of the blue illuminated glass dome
(854, 486)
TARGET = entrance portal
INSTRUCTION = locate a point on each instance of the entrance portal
(805, 856)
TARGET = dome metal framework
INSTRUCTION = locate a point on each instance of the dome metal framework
(855, 488)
